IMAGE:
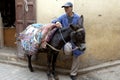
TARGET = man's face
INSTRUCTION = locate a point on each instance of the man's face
(68, 9)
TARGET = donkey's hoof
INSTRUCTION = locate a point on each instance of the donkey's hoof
(73, 77)
(56, 77)
(50, 78)
(49, 75)
(31, 70)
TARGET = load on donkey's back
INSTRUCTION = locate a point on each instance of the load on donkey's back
(35, 36)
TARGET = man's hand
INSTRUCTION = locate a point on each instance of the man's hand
(58, 24)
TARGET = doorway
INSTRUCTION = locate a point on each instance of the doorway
(15, 18)
(8, 16)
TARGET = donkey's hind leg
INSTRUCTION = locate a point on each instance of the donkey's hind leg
(55, 54)
(49, 57)
(29, 63)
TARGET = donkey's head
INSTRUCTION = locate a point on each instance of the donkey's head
(78, 34)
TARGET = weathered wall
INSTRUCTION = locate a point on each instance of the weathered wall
(102, 24)
(48, 10)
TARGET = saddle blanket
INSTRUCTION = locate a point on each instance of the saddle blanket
(34, 37)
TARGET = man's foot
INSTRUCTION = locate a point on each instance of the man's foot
(73, 77)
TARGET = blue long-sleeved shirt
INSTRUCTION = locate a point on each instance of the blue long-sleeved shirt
(64, 20)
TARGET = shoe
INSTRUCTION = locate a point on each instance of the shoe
(73, 77)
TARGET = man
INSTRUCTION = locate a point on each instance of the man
(65, 20)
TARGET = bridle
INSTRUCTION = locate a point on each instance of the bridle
(64, 40)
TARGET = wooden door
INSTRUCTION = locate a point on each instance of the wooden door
(25, 15)
(19, 15)
(30, 15)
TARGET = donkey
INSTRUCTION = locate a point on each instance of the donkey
(74, 33)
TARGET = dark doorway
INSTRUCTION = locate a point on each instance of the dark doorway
(7, 9)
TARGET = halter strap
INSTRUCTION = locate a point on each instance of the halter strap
(79, 30)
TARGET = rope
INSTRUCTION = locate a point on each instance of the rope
(64, 41)
(62, 36)
(53, 47)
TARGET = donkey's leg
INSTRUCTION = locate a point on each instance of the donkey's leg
(29, 63)
(55, 54)
(49, 57)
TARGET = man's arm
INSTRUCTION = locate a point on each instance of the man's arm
(58, 21)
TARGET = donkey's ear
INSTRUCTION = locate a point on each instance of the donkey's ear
(73, 27)
(82, 18)
(81, 21)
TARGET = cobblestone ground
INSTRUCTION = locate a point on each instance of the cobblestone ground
(111, 73)
(11, 72)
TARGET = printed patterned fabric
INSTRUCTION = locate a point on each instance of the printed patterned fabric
(29, 41)
(35, 35)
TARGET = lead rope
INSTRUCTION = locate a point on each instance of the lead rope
(64, 42)
(62, 36)
(52, 47)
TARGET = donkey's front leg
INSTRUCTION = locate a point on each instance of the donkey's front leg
(29, 63)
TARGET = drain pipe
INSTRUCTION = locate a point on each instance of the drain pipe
(1, 33)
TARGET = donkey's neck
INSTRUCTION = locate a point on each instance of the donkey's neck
(66, 34)
(58, 41)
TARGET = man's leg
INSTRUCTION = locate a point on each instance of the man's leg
(75, 67)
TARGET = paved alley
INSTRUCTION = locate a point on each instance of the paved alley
(12, 72)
